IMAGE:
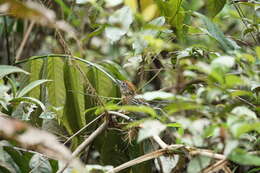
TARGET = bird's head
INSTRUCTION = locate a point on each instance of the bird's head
(126, 88)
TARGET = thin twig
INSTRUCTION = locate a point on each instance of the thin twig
(216, 167)
(242, 16)
(83, 128)
(168, 150)
(84, 144)
(7, 41)
(157, 73)
(25, 38)
(138, 160)
(208, 153)
(245, 101)
(226, 169)
(120, 115)
(160, 142)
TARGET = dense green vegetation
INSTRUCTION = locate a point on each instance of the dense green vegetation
(195, 66)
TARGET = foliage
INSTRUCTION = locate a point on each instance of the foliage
(195, 65)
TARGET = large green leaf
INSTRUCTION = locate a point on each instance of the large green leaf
(72, 116)
(214, 7)
(36, 72)
(56, 88)
(213, 31)
(6, 70)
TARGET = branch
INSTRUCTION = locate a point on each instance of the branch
(25, 38)
(160, 142)
(168, 150)
(83, 128)
(216, 167)
(84, 144)
(120, 115)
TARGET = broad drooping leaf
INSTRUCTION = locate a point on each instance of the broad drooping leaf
(73, 114)
(214, 7)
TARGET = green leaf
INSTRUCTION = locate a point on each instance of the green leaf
(235, 93)
(20, 158)
(29, 87)
(213, 31)
(232, 81)
(172, 11)
(198, 163)
(240, 156)
(131, 108)
(214, 7)
(150, 128)
(40, 164)
(179, 106)
(238, 129)
(6, 70)
(72, 115)
(56, 88)
(7, 162)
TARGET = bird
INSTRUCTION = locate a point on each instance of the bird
(129, 92)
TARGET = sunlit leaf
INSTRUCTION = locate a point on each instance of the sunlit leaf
(155, 95)
(244, 111)
(150, 128)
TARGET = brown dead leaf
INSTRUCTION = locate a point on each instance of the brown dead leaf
(34, 12)
(34, 139)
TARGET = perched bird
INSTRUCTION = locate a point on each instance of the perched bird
(128, 92)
